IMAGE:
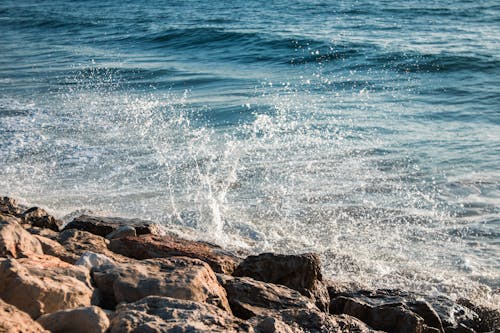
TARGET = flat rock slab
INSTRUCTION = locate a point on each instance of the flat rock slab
(13, 320)
(165, 314)
(177, 277)
(80, 320)
(150, 246)
(103, 226)
(249, 297)
(300, 272)
(44, 284)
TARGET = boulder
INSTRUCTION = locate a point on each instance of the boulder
(16, 242)
(165, 314)
(55, 249)
(11, 206)
(489, 319)
(248, 297)
(103, 226)
(177, 277)
(93, 261)
(79, 320)
(44, 284)
(13, 320)
(125, 231)
(38, 217)
(150, 246)
(44, 232)
(272, 325)
(299, 272)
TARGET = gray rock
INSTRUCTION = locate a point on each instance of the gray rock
(93, 260)
(79, 320)
(103, 226)
(124, 231)
(165, 314)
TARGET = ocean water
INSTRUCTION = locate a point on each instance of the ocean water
(366, 131)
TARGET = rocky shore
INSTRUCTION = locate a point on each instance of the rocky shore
(99, 274)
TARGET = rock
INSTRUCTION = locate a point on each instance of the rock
(177, 277)
(248, 297)
(44, 284)
(299, 272)
(13, 320)
(309, 321)
(53, 248)
(488, 319)
(44, 232)
(40, 218)
(93, 260)
(125, 231)
(16, 242)
(150, 246)
(165, 314)
(103, 226)
(11, 206)
(79, 320)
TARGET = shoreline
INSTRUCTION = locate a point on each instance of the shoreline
(101, 274)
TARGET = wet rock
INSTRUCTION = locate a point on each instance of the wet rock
(299, 272)
(151, 246)
(13, 320)
(11, 206)
(79, 320)
(16, 242)
(103, 226)
(125, 231)
(248, 297)
(165, 314)
(38, 217)
(177, 277)
(44, 284)
(488, 319)
(55, 249)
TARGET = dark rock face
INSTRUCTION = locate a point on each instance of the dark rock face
(103, 226)
(38, 217)
(299, 272)
(150, 246)
(165, 314)
(11, 206)
(249, 297)
(399, 311)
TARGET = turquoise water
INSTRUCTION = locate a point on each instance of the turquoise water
(366, 131)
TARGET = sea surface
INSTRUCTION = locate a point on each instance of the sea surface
(366, 131)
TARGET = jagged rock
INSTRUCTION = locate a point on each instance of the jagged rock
(165, 314)
(310, 321)
(40, 218)
(488, 319)
(177, 277)
(44, 284)
(16, 242)
(248, 297)
(124, 231)
(103, 226)
(11, 206)
(93, 260)
(13, 320)
(299, 272)
(150, 246)
(79, 320)
(55, 249)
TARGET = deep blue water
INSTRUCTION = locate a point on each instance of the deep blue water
(367, 131)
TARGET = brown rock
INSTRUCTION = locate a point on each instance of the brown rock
(55, 249)
(177, 277)
(150, 246)
(79, 320)
(13, 320)
(44, 284)
(272, 325)
(165, 314)
(44, 232)
(38, 217)
(299, 272)
(16, 242)
(249, 297)
(103, 226)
